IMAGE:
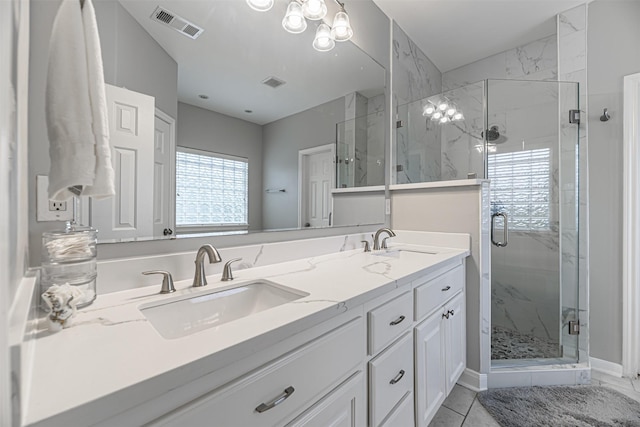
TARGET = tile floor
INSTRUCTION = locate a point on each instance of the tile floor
(462, 409)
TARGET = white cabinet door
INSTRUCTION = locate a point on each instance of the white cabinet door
(455, 340)
(343, 407)
(430, 384)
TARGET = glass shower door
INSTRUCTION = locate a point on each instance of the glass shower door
(531, 158)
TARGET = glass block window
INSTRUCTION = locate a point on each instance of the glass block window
(520, 186)
(211, 189)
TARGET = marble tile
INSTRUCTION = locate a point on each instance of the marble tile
(609, 380)
(573, 52)
(479, 417)
(445, 417)
(572, 20)
(532, 58)
(509, 379)
(460, 400)
(553, 378)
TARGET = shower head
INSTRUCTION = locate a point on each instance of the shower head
(493, 135)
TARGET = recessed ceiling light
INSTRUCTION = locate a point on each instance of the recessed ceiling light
(202, 96)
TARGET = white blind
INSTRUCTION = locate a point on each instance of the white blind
(211, 189)
(520, 186)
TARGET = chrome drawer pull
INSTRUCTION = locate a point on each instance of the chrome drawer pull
(278, 400)
(397, 378)
(397, 321)
(446, 289)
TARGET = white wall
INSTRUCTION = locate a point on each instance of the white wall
(210, 131)
(125, 42)
(613, 35)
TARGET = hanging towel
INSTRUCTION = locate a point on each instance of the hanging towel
(76, 106)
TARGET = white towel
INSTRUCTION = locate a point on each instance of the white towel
(76, 106)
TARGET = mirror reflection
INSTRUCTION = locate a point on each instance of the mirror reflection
(230, 123)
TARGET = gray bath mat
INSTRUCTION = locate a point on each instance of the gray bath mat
(579, 406)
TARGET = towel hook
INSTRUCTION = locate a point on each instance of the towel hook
(605, 116)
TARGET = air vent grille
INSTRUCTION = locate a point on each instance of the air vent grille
(178, 23)
(273, 82)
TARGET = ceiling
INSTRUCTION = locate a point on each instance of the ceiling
(240, 48)
(453, 33)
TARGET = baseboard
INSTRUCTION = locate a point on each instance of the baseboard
(473, 380)
(606, 367)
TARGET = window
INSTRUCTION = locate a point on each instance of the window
(520, 186)
(211, 190)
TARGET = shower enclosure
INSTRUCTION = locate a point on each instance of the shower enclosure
(522, 137)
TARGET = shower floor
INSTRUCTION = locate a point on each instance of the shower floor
(510, 344)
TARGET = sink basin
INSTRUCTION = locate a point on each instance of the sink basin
(184, 316)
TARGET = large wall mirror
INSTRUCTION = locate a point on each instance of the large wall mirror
(230, 120)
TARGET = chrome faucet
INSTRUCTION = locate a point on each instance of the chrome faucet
(200, 278)
(376, 241)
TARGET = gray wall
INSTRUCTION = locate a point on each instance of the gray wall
(210, 131)
(133, 59)
(613, 35)
(281, 141)
(125, 42)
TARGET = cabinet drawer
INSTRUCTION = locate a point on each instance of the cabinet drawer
(437, 291)
(402, 414)
(390, 378)
(277, 392)
(388, 321)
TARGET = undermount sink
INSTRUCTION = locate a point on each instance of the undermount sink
(190, 314)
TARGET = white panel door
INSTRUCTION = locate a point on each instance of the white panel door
(163, 199)
(131, 133)
(455, 340)
(430, 381)
(319, 184)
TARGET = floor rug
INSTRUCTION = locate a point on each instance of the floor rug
(577, 406)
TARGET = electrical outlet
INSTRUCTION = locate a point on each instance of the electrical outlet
(50, 210)
(57, 206)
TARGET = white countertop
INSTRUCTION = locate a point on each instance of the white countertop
(113, 351)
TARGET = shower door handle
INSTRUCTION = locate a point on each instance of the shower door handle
(505, 232)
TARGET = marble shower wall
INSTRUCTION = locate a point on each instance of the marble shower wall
(572, 66)
(533, 61)
(414, 77)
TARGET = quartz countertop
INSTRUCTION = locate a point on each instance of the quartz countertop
(112, 350)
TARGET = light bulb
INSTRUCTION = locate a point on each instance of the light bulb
(260, 5)
(451, 111)
(293, 20)
(445, 119)
(314, 9)
(437, 115)
(341, 30)
(457, 116)
(323, 41)
(443, 106)
(429, 110)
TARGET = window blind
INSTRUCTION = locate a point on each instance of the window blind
(211, 189)
(520, 186)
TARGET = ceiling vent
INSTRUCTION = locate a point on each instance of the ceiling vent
(179, 24)
(273, 82)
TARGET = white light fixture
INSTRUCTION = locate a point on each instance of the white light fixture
(444, 119)
(323, 41)
(293, 20)
(314, 9)
(260, 5)
(458, 116)
(451, 111)
(341, 29)
(437, 115)
(429, 110)
(443, 106)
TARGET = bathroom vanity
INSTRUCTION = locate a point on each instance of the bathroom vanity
(351, 338)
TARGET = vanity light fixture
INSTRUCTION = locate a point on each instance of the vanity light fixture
(293, 20)
(298, 11)
(323, 41)
(314, 10)
(442, 110)
(429, 110)
(260, 5)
